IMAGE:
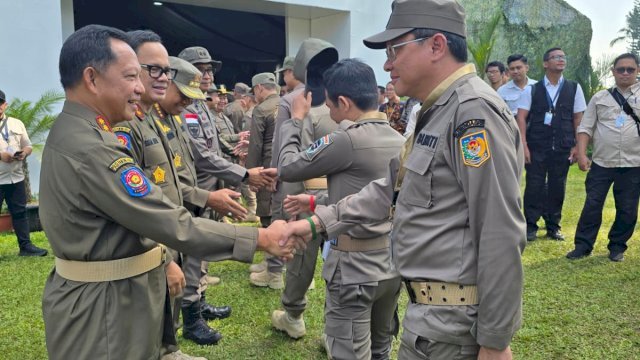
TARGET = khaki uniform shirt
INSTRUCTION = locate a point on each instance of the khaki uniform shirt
(351, 157)
(235, 113)
(14, 138)
(206, 151)
(95, 205)
(226, 135)
(247, 119)
(260, 141)
(613, 145)
(458, 216)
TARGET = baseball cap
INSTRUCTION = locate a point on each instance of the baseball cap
(3, 97)
(242, 88)
(287, 64)
(199, 55)
(187, 78)
(406, 15)
(263, 78)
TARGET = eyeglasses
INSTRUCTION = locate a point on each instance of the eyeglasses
(157, 71)
(209, 70)
(391, 50)
(558, 57)
(622, 70)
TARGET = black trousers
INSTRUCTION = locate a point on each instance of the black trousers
(626, 192)
(16, 198)
(544, 192)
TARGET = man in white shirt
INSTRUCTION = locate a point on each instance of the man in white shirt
(549, 113)
(15, 146)
(616, 160)
(518, 67)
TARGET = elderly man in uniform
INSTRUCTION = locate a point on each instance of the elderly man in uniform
(458, 229)
(265, 89)
(235, 110)
(362, 287)
(108, 274)
(611, 120)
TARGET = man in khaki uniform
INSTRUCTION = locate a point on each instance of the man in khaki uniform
(313, 57)
(261, 135)
(227, 135)
(458, 229)
(108, 273)
(362, 287)
(286, 72)
(235, 110)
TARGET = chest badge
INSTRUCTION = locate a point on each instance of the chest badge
(158, 175)
(177, 161)
(475, 148)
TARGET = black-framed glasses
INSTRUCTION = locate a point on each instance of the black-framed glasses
(156, 71)
(629, 70)
(391, 49)
(558, 57)
(208, 70)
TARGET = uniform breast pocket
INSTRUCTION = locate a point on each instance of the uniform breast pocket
(417, 186)
(156, 164)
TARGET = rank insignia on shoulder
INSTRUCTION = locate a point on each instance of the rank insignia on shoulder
(120, 162)
(158, 175)
(475, 148)
(124, 139)
(177, 161)
(318, 146)
(135, 182)
(102, 123)
(479, 123)
(178, 119)
(139, 113)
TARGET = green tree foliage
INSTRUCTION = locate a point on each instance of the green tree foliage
(631, 32)
(37, 119)
(480, 46)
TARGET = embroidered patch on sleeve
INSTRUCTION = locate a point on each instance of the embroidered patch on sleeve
(191, 118)
(479, 123)
(318, 146)
(121, 129)
(475, 148)
(124, 139)
(120, 162)
(135, 183)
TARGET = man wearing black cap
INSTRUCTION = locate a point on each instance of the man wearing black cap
(15, 146)
(454, 193)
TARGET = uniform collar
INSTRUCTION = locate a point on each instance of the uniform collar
(547, 82)
(84, 112)
(631, 89)
(372, 115)
(436, 95)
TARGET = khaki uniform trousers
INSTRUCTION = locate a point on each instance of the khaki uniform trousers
(361, 319)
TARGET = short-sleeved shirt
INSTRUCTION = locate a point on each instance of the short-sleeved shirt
(510, 93)
(579, 103)
(614, 145)
(14, 138)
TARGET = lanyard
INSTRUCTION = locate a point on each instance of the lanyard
(552, 102)
(5, 129)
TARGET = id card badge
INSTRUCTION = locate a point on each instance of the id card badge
(11, 150)
(620, 120)
(547, 118)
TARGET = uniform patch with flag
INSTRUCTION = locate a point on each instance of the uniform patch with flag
(135, 182)
(192, 123)
(475, 148)
(318, 146)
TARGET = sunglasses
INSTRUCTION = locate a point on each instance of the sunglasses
(629, 70)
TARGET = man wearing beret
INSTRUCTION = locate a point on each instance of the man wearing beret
(454, 193)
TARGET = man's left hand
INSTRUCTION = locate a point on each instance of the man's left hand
(175, 279)
(493, 354)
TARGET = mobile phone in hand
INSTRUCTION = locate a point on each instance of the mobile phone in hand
(17, 154)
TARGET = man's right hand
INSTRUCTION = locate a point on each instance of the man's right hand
(297, 204)
(583, 162)
(268, 240)
(222, 201)
(493, 354)
(527, 154)
(6, 157)
(260, 177)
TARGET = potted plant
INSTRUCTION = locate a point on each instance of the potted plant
(38, 119)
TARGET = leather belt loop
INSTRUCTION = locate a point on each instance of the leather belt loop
(349, 244)
(441, 293)
(316, 184)
(111, 270)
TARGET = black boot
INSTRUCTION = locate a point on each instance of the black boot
(210, 312)
(29, 249)
(196, 329)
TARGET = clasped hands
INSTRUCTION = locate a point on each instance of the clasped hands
(285, 239)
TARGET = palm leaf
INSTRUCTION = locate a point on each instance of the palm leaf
(481, 47)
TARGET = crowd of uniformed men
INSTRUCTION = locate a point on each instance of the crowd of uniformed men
(144, 169)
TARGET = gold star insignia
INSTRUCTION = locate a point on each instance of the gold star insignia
(158, 175)
(177, 161)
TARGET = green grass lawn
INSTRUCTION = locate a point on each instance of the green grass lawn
(587, 309)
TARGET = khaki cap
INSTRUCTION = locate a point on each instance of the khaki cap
(263, 78)
(199, 55)
(222, 90)
(287, 64)
(212, 89)
(406, 15)
(187, 78)
(242, 88)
